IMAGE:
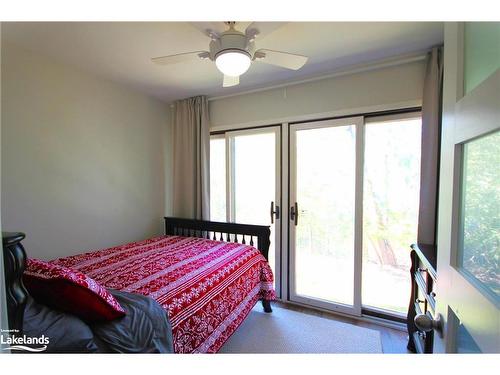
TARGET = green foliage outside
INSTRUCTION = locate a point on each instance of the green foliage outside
(481, 211)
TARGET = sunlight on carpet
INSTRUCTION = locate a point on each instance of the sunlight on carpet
(287, 331)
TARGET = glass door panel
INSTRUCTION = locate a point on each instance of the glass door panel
(254, 176)
(479, 230)
(323, 236)
(218, 178)
(390, 210)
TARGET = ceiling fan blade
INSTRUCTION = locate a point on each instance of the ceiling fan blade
(261, 29)
(230, 81)
(283, 59)
(180, 57)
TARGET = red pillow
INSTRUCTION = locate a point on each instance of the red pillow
(71, 291)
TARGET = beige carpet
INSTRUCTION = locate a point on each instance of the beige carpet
(287, 331)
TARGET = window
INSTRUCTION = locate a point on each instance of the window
(479, 242)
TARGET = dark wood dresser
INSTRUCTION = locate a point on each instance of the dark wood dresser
(422, 297)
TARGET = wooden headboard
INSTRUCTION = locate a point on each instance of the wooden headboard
(14, 259)
(254, 235)
(228, 232)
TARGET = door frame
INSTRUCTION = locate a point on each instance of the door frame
(283, 277)
(357, 121)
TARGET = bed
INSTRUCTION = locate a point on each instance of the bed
(206, 275)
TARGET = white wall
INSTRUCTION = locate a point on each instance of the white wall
(345, 94)
(83, 159)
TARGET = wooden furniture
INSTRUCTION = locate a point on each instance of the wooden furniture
(423, 296)
(14, 258)
(253, 235)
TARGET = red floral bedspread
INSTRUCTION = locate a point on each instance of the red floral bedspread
(207, 287)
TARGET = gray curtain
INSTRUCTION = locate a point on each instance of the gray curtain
(191, 143)
(431, 129)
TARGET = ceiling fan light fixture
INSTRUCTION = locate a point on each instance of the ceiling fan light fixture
(233, 62)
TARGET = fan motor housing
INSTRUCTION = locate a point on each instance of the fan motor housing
(231, 40)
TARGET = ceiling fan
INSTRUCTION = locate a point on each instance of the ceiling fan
(233, 51)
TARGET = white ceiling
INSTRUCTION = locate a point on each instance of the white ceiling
(121, 51)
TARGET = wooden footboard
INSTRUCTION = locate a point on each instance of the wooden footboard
(253, 235)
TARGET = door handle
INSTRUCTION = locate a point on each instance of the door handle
(294, 213)
(426, 323)
(275, 213)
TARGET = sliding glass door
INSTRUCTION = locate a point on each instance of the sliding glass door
(245, 182)
(390, 209)
(352, 189)
(325, 186)
(354, 198)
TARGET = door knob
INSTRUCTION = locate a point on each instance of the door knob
(425, 323)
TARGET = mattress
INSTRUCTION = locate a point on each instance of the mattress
(207, 287)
